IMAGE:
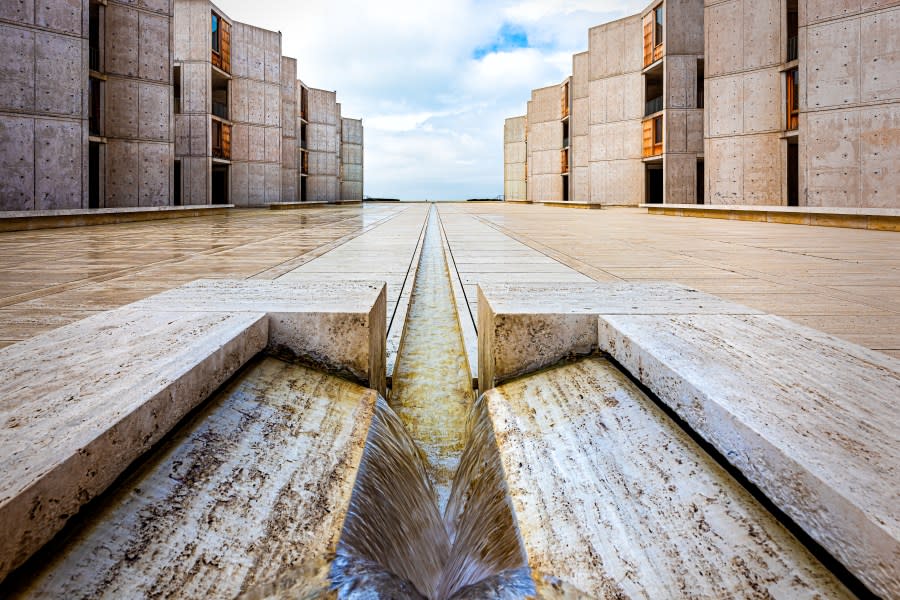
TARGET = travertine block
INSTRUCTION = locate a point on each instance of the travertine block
(808, 418)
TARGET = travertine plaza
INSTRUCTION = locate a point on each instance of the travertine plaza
(226, 376)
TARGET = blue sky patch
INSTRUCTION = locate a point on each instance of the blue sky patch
(508, 38)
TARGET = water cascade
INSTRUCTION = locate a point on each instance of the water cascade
(397, 542)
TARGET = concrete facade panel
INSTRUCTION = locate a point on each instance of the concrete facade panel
(59, 164)
(123, 173)
(123, 94)
(195, 88)
(257, 144)
(581, 184)
(17, 162)
(19, 11)
(272, 145)
(272, 105)
(154, 59)
(59, 77)
(724, 38)
(680, 178)
(762, 169)
(196, 179)
(17, 83)
(681, 81)
(240, 182)
(880, 56)
(724, 171)
(183, 135)
(762, 38)
(725, 107)
(154, 111)
(617, 182)
(879, 151)
(155, 174)
(200, 144)
(122, 47)
(762, 101)
(60, 15)
(833, 73)
(833, 158)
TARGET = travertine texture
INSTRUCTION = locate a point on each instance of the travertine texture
(351, 159)
(256, 110)
(615, 91)
(612, 497)
(545, 144)
(89, 405)
(253, 487)
(523, 328)
(812, 422)
(323, 141)
(514, 158)
(334, 325)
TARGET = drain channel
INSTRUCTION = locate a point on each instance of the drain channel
(430, 515)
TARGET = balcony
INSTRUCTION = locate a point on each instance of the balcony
(654, 105)
(792, 49)
(220, 109)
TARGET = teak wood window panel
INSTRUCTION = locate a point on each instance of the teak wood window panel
(652, 137)
(564, 101)
(792, 101)
(220, 55)
(221, 139)
(653, 28)
(564, 162)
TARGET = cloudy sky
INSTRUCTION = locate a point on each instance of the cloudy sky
(432, 81)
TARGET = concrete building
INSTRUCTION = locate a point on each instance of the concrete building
(85, 106)
(302, 127)
(736, 102)
(548, 146)
(351, 159)
(803, 103)
(203, 89)
(514, 159)
(256, 170)
(289, 173)
(615, 96)
(580, 130)
(323, 140)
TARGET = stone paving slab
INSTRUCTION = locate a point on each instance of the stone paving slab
(256, 484)
(810, 419)
(612, 497)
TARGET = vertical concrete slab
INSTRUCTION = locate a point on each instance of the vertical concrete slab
(58, 149)
(17, 162)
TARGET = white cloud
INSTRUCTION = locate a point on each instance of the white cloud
(433, 113)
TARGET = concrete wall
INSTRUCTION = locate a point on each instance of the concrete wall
(192, 125)
(43, 105)
(289, 133)
(580, 130)
(514, 157)
(682, 119)
(744, 115)
(351, 159)
(849, 142)
(139, 122)
(545, 139)
(322, 140)
(256, 155)
(615, 94)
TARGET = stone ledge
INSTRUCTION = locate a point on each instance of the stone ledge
(807, 417)
(883, 219)
(523, 328)
(53, 219)
(572, 204)
(296, 205)
(80, 403)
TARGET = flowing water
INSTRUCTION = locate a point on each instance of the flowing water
(430, 516)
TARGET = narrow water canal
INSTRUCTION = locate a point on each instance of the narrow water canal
(432, 387)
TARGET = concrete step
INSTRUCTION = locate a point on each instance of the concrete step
(613, 498)
(80, 403)
(809, 419)
(256, 484)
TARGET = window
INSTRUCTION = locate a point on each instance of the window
(176, 83)
(95, 122)
(215, 32)
(700, 77)
(94, 37)
(657, 131)
(217, 139)
(658, 28)
(792, 103)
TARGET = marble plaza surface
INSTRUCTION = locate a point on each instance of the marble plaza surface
(841, 281)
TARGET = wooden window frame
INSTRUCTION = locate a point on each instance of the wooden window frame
(658, 26)
(792, 99)
(215, 40)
